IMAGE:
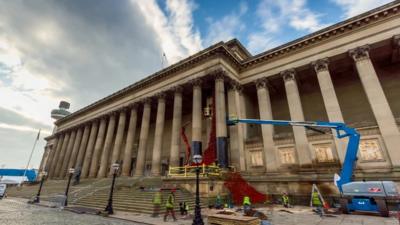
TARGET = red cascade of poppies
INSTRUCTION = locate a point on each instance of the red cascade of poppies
(188, 149)
(239, 188)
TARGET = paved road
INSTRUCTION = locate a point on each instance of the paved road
(17, 212)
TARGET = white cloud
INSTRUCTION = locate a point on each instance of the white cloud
(354, 7)
(275, 15)
(175, 31)
(23, 128)
(280, 16)
(227, 27)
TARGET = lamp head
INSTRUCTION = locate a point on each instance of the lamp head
(115, 167)
(197, 159)
(71, 170)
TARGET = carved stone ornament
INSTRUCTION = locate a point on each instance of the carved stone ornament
(133, 105)
(176, 89)
(288, 75)
(360, 53)
(219, 74)
(196, 82)
(234, 85)
(147, 100)
(160, 95)
(320, 65)
(261, 83)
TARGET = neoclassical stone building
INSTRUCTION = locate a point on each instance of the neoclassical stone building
(347, 72)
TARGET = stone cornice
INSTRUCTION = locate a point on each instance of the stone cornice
(221, 51)
(357, 22)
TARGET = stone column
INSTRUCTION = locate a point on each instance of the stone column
(97, 146)
(144, 133)
(236, 132)
(104, 163)
(75, 149)
(221, 128)
(296, 114)
(52, 153)
(45, 158)
(196, 119)
(61, 157)
(89, 149)
(158, 135)
(65, 162)
(130, 140)
(118, 138)
(52, 168)
(176, 128)
(379, 104)
(330, 101)
(82, 147)
(265, 110)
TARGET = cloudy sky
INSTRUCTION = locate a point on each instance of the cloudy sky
(84, 50)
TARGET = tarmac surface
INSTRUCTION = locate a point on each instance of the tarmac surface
(15, 211)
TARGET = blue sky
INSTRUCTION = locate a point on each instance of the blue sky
(83, 50)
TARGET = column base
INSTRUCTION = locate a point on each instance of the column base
(222, 152)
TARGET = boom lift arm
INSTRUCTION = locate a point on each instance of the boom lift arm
(342, 131)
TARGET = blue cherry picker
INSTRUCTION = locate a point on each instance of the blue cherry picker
(366, 196)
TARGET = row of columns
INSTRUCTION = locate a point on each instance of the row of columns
(90, 147)
(372, 87)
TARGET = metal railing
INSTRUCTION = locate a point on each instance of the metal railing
(190, 171)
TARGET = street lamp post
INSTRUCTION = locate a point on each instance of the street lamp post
(37, 197)
(197, 159)
(109, 207)
(71, 172)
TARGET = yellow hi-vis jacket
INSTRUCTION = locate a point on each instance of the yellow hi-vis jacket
(157, 198)
(170, 202)
(246, 200)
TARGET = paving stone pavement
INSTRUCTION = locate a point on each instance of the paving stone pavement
(18, 212)
(14, 211)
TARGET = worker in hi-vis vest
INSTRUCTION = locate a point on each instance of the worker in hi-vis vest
(169, 206)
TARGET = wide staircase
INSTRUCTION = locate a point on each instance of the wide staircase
(93, 193)
(135, 200)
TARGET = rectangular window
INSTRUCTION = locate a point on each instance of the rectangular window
(287, 155)
(256, 158)
(370, 150)
(323, 153)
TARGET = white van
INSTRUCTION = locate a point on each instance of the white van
(3, 188)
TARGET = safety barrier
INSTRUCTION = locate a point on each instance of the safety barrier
(190, 171)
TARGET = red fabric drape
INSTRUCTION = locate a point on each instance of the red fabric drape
(239, 188)
(188, 149)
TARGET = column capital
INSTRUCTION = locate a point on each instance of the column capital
(197, 82)
(288, 75)
(320, 65)
(123, 109)
(261, 83)
(133, 105)
(396, 41)
(146, 100)
(160, 95)
(360, 53)
(234, 85)
(176, 89)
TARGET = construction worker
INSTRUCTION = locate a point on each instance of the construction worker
(218, 202)
(316, 202)
(285, 200)
(157, 203)
(246, 204)
(169, 206)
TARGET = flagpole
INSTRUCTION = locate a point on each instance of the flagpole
(30, 156)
